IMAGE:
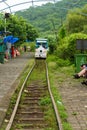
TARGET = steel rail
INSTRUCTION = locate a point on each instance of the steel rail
(54, 104)
(18, 99)
(59, 124)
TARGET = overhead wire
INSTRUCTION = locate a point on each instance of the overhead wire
(32, 2)
(74, 4)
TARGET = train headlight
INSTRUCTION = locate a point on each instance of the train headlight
(40, 50)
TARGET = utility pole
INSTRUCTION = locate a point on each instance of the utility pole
(7, 15)
(32, 3)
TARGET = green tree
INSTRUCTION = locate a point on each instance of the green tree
(17, 26)
(21, 28)
(32, 33)
(62, 32)
(67, 47)
(76, 20)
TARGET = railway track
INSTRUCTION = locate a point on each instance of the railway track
(35, 108)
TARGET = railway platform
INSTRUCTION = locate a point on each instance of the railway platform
(74, 97)
(9, 72)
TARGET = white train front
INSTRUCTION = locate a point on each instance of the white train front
(41, 48)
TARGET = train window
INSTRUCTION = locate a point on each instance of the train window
(44, 45)
(38, 44)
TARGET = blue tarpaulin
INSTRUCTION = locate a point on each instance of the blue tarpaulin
(14, 39)
(10, 39)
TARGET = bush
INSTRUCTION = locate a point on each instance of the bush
(61, 62)
(52, 48)
(67, 47)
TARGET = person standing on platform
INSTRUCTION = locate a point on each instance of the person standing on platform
(25, 48)
(2, 49)
(8, 44)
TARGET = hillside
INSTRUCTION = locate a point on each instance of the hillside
(49, 17)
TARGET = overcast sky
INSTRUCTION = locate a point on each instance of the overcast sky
(21, 4)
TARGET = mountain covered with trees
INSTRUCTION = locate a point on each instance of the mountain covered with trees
(50, 17)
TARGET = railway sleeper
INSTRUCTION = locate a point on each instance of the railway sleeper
(30, 109)
(40, 122)
(32, 98)
(34, 121)
(30, 101)
(37, 88)
(25, 107)
(30, 126)
(37, 94)
(36, 91)
(28, 112)
(30, 115)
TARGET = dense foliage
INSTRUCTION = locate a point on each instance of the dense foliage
(49, 17)
(19, 27)
(77, 20)
(67, 47)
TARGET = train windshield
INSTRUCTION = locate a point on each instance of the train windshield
(42, 43)
(45, 45)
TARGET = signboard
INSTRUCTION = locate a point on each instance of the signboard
(81, 44)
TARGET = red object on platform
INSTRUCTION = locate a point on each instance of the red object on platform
(12, 51)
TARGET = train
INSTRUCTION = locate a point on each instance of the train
(41, 48)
